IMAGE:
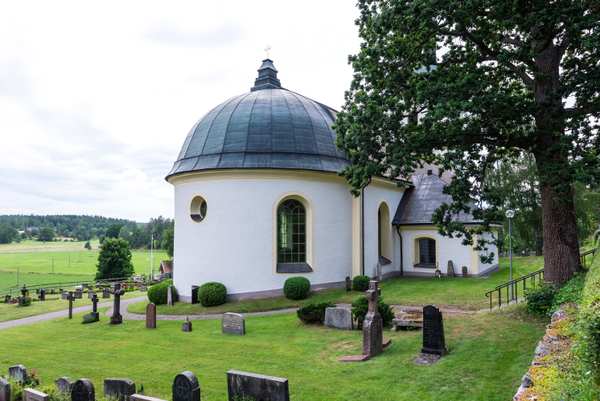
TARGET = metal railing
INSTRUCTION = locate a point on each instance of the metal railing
(584, 257)
(512, 288)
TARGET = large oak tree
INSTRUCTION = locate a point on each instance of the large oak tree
(463, 84)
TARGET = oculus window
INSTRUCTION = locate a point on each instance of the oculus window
(198, 209)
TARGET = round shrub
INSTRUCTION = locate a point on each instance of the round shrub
(314, 313)
(157, 293)
(296, 288)
(361, 305)
(212, 294)
(360, 283)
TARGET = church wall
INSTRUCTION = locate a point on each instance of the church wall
(235, 243)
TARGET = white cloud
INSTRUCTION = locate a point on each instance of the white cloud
(96, 99)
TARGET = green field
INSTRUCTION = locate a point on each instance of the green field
(33, 262)
(488, 354)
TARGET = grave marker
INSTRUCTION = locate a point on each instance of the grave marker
(450, 269)
(63, 385)
(187, 325)
(233, 323)
(150, 316)
(195, 290)
(4, 390)
(18, 373)
(78, 293)
(245, 385)
(433, 332)
(116, 317)
(170, 295)
(338, 318)
(42, 295)
(105, 293)
(118, 389)
(348, 283)
(83, 390)
(373, 323)
(30, 394)
(186, 387)
(141, 397)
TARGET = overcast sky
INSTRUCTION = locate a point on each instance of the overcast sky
(97, 98)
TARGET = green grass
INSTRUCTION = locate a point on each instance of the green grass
(488, 354)
(52, 303)
(51, 262)
(464, 293)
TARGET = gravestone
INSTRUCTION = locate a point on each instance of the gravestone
(233, 323)
(150, 316)
(91, 294)
(465, 271)
(24, 291)
(83, 390)
(170, 295)
(63, 385)
(118, 389)
(186, 387)
(30, 394)
(42, 294)
(116, 317)
(78, 293)
(338, 318)
(7, 299)
(187, 325)
(195, 290)
(64, 295)
(433, 332)
(373, 323)
(70, 298)
(252, 386)
(93, 316)
(18, 373)
(450, 269)
(141, 397)
(105, 293)
(4, 390)
(348, 284)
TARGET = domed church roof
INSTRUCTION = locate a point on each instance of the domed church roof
(268, 127)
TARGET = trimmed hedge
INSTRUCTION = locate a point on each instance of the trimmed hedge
(313, 313)
(360, 283)
(296, 288)
(212, 294)
(361, 305)
(157, 293)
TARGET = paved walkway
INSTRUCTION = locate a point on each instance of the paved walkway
(63, 313)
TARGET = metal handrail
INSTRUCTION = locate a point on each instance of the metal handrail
(584, 255)
(512, 288)
(67, 284)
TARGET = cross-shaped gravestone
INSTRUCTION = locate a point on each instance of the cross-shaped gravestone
(116, 317)
(70, 298)
(24, 291)
(94, 303)
(373, 324)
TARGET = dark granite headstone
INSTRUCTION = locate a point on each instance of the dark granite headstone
(30, 394)
(4, 390)
(450, 269)
(63, 385)
(187, 325)
(195, 290)
(150, 316)
(233, 323)
(18, 373)
(373, 323)
(252, 386)
(78, 293)
(70, 298)
(433, 331)
(24, 291)
(118, 389)
(116, 317)
(95, 303)
(348, 283)
(465, 271)
(186, 387)
(64, 295)
(83, 390)
(42, 294)
(7, 298)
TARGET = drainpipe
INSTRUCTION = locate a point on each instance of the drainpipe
(362, 227)
(401, 251)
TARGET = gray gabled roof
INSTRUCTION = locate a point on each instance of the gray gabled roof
(420, 201)
(268, 127)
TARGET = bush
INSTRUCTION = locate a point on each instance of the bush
(296, 288)
(361, 305)
(540, 299)
(114, 259)
(571, 292)
(158, 292)
(212, 294)
(314, 313)
(360, 283)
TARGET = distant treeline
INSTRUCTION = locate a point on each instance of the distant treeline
(84, 228)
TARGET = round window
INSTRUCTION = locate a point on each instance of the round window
(198, 209)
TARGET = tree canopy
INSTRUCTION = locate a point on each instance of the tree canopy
(466, 84)
(114, 260)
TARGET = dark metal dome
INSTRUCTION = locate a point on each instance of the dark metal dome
(269, 127)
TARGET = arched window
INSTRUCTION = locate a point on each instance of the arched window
(291, 232)
(384, 240)
(425, 252)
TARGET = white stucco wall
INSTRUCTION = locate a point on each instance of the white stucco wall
(235, 243)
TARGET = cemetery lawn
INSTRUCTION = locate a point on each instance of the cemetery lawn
(461, 293)
(489, 352)
(53, 303)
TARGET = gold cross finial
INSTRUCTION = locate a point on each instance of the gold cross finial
(267, 50)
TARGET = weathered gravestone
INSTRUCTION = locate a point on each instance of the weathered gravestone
(233, 323)
(187, 325)
(433, 332)
(116, 317)
(83, 390)
(4, 390)
(348, 284)
(195, 290)
(78, 294)
(30, 394)
(94, 315)
(338, 318)
(465, 271)
(63, 385)
(150, 316)
(64, 295)
(170, 300)
(450, 269)
(42, 294)
(105, 293)
(252, 386)
(186, 387)
(118, 389)
(373, 323)
(18, 373)
(141, 397)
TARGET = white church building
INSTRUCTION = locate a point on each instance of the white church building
(259, 199)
